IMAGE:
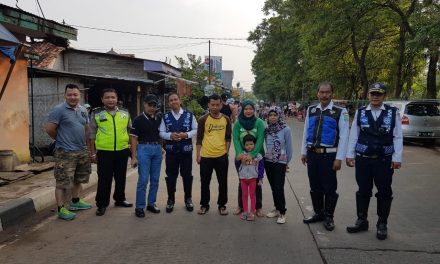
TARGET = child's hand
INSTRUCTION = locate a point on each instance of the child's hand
(240, 157)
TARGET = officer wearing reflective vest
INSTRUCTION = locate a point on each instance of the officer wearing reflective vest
(177, 128)
(375, 149)
(323, 149)
(109, 136)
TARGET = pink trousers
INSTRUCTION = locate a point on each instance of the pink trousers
(248, 189)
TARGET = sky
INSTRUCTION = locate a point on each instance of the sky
(193, 18)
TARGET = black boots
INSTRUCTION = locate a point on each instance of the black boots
(318, 207)
(330, 205)
(383, 211)
(362, 204)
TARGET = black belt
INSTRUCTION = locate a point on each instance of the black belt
(149, 142)
(368, 156)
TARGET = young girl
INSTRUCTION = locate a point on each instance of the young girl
(278, 155)
(249, 172)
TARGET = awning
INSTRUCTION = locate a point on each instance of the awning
(7, 36)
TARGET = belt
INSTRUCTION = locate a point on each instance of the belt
(367, 156)
(149, 142)
(324, 150)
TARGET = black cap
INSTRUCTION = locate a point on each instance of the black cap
(150, 98)
(377, 87)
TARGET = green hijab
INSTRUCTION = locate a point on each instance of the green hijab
(247, 123)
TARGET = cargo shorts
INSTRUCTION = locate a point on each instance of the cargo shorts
(71, 167)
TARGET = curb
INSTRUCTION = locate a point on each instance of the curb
(17, 210)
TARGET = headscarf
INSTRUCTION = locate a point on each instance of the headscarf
(273, 129)
(247, 123)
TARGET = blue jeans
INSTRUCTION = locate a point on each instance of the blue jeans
(149, 161)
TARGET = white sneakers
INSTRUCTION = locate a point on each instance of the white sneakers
(273, 213)
(281, 219)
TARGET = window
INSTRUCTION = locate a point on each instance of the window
(422, 110)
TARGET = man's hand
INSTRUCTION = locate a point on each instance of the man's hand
(175, 136)
(260, 182)
(198, 158)
(134, 162)
(304, 159)
(183, 135)
(337, 164)
(349, 162)
(93, 158)
(396, 165)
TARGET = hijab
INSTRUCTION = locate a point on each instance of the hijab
(273, 129)
(247, 123)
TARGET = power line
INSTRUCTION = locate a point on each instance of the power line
(232, 45)
(156, 35)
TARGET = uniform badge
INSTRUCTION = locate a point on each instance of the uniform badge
(123, 116)
(364, 120)
(387, 120)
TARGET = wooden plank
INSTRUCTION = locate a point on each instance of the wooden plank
(14, 176)
(35, 167)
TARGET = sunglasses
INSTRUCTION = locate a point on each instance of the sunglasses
(152, 104)
(376, 94)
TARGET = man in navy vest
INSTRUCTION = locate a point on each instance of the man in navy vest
(178, 127)
(375, 146)
(323, 149)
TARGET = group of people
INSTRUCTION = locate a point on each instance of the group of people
(374, 147)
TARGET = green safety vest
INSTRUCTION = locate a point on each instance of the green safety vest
(111, 131)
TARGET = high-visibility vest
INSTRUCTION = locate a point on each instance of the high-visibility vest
(111, 132)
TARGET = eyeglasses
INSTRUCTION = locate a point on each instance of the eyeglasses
(376, 94)
(152, 104)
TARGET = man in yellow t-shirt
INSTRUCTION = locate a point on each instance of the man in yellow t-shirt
(213, 142)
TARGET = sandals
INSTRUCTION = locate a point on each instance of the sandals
(259, 213)
(237, 211)
(250, 217)
(243, 216)
(223, 211)
(202, 210)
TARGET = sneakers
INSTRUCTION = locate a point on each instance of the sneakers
(273, 213)
(66, 214)
(281, 219)
(80, 205)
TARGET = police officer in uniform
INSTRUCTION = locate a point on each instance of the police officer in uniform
(109, 133)
(177, 128)
(375, 149)
(323, 149)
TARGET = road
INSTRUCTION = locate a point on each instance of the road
(184, 237)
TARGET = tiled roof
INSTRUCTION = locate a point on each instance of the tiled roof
(47, 53)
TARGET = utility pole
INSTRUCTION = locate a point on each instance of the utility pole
(209, 58)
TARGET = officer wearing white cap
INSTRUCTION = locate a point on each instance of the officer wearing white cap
(375, 149)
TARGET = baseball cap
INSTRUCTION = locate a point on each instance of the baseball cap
(150, 98)
(377, 87)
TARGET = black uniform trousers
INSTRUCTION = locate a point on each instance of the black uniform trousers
(276, 175)
(377, 171)
(258, 192)
(207, 166)
(111, 164)
(322, 177)
(174, 162)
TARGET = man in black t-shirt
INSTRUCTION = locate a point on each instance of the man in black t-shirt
(146, 150)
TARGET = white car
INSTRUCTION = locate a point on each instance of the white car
(420, 118)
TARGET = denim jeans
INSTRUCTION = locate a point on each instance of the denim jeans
(149, 161)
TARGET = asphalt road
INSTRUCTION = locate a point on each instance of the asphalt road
(183, 237)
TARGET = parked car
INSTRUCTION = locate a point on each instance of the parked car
(420, 118)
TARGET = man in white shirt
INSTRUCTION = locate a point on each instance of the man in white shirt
(375, 149)
(323, 150)
(177, 128)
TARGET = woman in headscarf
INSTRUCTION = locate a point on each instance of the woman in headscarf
(278, 155)
(248, 123)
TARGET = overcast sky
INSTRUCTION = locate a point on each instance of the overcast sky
(194, 18)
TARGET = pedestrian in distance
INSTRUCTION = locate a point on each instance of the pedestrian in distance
(177, 128)
(146, 154)
(250, 174)
(375, 150)
(248, 123)
(212, 147)
(108, 134)
(279, 152)
(68, 125)
(228, 109)
(324, 147)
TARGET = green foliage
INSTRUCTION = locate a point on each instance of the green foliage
(350, 42)
(193, 106)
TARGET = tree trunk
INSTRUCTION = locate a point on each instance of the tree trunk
(431, 87)
(399, 64)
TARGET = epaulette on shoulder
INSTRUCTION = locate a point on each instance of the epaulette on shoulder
(97, 109)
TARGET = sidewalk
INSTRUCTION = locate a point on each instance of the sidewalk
(22, 199)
